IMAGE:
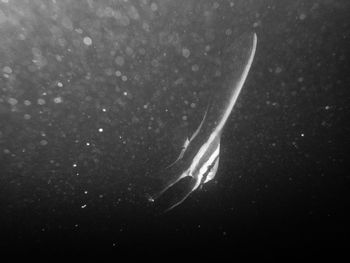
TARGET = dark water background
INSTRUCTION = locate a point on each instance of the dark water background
(282, 183)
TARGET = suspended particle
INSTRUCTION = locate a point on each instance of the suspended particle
(87, 41)
(186, 52)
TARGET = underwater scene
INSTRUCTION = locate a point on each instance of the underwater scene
(127, 125)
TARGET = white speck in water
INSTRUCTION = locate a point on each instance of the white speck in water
(100, 130)
(327, 107)
(87, 144)
(41, 101)
(256, 24)
(119, 60)
(59, 84)
(129, 51)
(118, 73)
(85, 192)
(195, 67)
(21, 37)
(302, 135)
(74, 165)
(184, 117)
(58, 100)
(302, 16)
(79, 30)
(278, 70)
(133, 13)
(124, 78)
(154, 7)
(12, 101)
(43, 142)
(7, 70)
(125, 93)
(7, 151)
(83, 206)
(27, 103)
(87, 41)
(27, 117)
(67, 23)
(186, 52)
(104, 110)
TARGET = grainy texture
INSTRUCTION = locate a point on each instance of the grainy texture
(95, 96)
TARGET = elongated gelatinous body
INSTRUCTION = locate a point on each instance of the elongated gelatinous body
(200, 156)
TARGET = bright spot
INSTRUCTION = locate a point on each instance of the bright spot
(27, 103)
(186, 52)
(60, 84)
(43, 142)
(302, 16)
(133, 13)
(7, 151)
(278, 70)
(79, 30)
(129, 51)
(119, 60)
(27, 117)
(100, 130)
(41, 101)
(118, 73)
(58, 100)
(87, 41)
(154, 7)
(12, 101)
(7, 70)
(195, 67)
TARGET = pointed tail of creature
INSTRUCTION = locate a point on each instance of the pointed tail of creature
(176, 193)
